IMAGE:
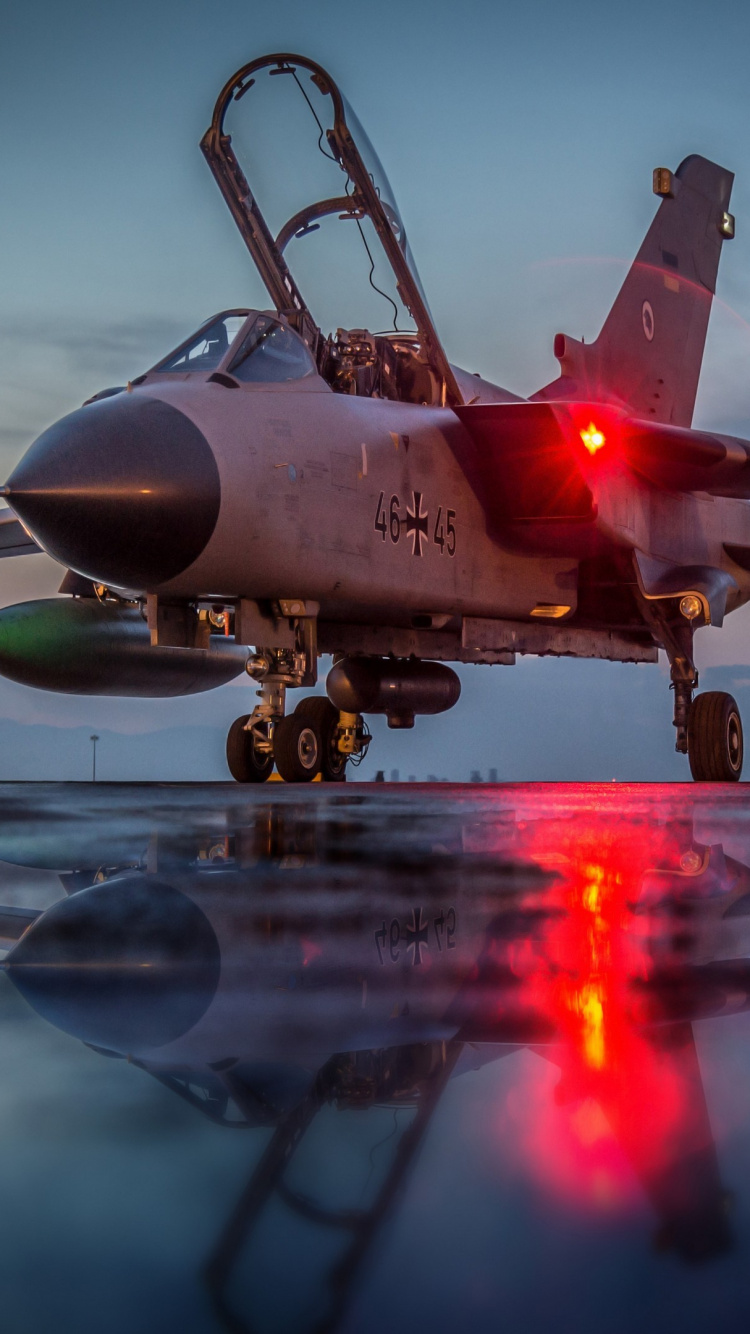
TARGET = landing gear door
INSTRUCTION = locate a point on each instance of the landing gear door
(363, 196)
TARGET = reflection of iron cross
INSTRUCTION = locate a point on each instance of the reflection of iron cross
(416, 524)
(416, 936)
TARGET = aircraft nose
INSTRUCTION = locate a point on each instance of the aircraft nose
(130, 962)
(125, 491)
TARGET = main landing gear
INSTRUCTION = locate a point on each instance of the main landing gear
(709, 727)
(317, 739)
(715, 738)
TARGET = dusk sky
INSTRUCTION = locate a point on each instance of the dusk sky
(520, 142)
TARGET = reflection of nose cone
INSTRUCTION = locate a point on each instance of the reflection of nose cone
(125, 491)
(128, 964)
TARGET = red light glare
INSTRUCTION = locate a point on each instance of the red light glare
(593, 438)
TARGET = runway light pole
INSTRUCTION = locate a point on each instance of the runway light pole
(93, 739)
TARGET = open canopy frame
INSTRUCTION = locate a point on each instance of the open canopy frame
(362, 199)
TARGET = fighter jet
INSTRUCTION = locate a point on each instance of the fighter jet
(269, 492)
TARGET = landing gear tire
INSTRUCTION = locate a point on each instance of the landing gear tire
(715, 738)
(246, 763)
(297, 749)
(324, 718)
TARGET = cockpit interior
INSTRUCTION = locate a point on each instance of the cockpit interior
(248, 347)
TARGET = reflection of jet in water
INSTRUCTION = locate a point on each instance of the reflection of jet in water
(279, 970)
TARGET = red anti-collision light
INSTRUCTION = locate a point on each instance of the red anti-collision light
(593, 438)
(593, 431)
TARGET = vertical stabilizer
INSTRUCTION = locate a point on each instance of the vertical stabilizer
(649, 352)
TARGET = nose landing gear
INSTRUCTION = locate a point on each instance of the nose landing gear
(247, 764)
(250, 743)
(313, 740)
(316, 739)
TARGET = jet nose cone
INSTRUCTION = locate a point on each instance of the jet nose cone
(125, 491)
(132, 962)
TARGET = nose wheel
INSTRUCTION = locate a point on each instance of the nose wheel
(247, 764)
(320, 714)
(715, 747)
(305, 743)
(297, 749)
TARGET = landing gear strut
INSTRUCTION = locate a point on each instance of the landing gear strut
(316, 739)
(250, 743)
(684, 678)
(709, 728)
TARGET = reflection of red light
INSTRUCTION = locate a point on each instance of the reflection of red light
(310, 952)
(627, 1106)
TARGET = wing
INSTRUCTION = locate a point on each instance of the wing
(14, 539)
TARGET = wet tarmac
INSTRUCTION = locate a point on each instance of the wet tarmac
(374, 1058)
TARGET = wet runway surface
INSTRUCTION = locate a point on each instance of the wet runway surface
(374, 1058)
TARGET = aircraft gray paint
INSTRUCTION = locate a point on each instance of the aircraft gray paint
(268, 486)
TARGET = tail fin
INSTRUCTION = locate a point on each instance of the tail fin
(649, 352)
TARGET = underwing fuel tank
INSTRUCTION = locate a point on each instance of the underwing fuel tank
(399, 688)
(79, 646)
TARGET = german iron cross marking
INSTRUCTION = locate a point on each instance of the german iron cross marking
(416, 524)
(416, 936)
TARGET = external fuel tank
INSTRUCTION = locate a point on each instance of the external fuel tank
(80, 646)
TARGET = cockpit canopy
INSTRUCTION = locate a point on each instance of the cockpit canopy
(284, 121)
(288, 346)
(246, 346)
(206, 350)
